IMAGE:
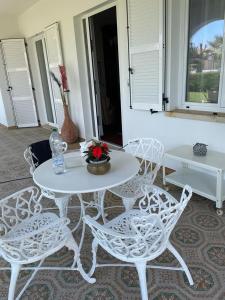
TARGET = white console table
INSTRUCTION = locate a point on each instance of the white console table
(209, 184)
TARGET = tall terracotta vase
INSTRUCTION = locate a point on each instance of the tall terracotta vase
(69, 131)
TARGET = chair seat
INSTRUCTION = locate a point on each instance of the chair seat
(28, 226)
(132, 223)
(132, 188)
(122, 223)
(31, 245)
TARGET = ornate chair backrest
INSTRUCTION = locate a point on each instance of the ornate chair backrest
(162, 203)
(18, 207)
(133, 244)
(150, 151)
(28, 155)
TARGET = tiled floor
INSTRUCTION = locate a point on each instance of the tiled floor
(199, 237)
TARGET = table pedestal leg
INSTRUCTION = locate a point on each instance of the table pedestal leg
(79, 264)
(99, 205)
(96, 205)
(82, 212)
(62, 203)
(72, 245)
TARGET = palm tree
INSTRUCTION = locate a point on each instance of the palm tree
(217, 42)
(215, 50)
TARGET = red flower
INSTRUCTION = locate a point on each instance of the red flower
(97, 152)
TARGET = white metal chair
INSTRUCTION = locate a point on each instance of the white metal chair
(27, 235)
(61, 200)
(151, 152)
(140, 235)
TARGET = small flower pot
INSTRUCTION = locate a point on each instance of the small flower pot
(200, 149)
(98, 167)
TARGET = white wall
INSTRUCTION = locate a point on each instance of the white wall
(9, 27)
(171, 131)
(46, 12)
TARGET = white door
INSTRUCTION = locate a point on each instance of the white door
(6, 110)
(41, 79)
(54, 56)
(20, 86)
(145, 23)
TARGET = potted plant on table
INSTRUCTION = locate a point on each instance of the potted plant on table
(97, 158)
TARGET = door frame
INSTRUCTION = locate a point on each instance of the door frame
(93, 102)
(36, 69)
(94, 78)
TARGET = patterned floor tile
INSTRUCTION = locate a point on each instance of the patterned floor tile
(187, 235)
(206, 221)
(216, 255)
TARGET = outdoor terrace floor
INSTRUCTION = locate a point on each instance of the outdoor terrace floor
(199, 237)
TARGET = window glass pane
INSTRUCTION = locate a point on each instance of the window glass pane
(206, 26)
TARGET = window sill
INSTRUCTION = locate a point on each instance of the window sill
(197, 115)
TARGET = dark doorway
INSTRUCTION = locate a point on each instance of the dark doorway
(104, 45)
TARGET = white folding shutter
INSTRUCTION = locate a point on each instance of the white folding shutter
(54, 53)
(145, 19)
(18, 73)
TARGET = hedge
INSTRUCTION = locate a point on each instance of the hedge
(204, 81)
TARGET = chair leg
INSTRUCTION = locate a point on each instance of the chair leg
(15, 269)
(141, 269)
(182, 262)
(30, 279)
(128, 203)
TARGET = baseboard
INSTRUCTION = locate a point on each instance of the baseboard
(8, 127)
(46, 126)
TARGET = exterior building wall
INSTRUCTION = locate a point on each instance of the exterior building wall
(171, 131)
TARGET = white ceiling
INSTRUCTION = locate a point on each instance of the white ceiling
(15, 7)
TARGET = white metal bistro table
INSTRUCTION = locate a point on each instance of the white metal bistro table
(77, 180)
(209, 184)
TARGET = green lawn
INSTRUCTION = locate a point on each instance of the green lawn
(197, 97)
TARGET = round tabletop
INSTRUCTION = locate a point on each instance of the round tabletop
(77, 179)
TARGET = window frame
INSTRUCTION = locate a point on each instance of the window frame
(183, 65)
